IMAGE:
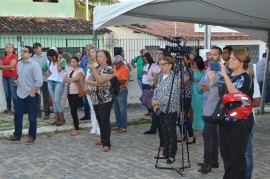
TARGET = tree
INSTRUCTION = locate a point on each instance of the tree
(80, 7)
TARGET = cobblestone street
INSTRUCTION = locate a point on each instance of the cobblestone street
(57, 155)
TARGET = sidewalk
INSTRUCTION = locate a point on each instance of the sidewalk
(135, 113)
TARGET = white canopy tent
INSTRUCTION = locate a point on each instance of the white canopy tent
(248, 16)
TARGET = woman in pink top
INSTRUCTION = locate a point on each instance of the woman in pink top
(8, 66)
(74, 75)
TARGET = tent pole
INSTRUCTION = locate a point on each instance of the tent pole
(207, 37)
(265, 81)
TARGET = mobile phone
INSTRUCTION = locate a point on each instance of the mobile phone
(215, 66)
(90, 60)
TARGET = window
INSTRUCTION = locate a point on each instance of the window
(53, 1)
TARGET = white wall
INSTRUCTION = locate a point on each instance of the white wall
(223, 43)
(125, 33)
(132, 42)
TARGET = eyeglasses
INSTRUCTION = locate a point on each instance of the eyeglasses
(163, 64)
(24, 51)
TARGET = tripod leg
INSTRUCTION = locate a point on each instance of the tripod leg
(161, 137)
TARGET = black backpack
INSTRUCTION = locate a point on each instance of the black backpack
(115, 85)
(213, 110)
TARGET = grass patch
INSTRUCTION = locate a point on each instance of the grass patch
(51, 134)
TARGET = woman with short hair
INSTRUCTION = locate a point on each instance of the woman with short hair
(160, 104)
(233, 133)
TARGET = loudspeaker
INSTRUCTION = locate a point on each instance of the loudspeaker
(117, 50)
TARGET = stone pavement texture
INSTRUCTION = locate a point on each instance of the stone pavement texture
(58, 155)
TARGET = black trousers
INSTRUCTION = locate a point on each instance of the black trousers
(168, 126)
(46, 99)
(233, 137)
(74, 102)
(159, 131)
(103, 112)
(187, 122)
(210, 138)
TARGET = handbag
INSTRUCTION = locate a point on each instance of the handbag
(80, 86)
(147, 97)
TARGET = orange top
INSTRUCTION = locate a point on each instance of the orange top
(122, 74)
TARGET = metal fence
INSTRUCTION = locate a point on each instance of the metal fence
(131, 47)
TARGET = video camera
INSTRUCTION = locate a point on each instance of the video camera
(180, 49)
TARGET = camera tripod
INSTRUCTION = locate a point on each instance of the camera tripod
(181, 123)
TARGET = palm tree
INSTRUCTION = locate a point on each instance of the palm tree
(80, 7)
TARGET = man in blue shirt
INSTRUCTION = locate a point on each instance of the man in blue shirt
(83, 65)
(210, 133)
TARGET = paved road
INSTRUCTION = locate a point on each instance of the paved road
(131, 156)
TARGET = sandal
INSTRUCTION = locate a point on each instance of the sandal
(74, 132)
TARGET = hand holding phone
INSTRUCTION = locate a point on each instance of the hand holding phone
(90, 60)
(215, 66)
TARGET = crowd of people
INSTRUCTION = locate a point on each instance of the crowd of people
(86, 80)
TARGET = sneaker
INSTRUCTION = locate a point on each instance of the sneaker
(30, 141)
(13, 138)
(84, 118)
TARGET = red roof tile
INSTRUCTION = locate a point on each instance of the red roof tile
(40, 25)
(186, 31)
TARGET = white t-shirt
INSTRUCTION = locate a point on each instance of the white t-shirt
(256, 93)
(144, 78)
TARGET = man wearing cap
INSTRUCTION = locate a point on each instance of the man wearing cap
(41, 58)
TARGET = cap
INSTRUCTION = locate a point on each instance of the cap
(55, 49)
(36, 45)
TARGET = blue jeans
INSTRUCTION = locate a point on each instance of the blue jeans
(56, 90)
(120, 108)
(267, 96)
(86, 107)
(10, 90)
(30, 104)
(140, 82)
(249, 155)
